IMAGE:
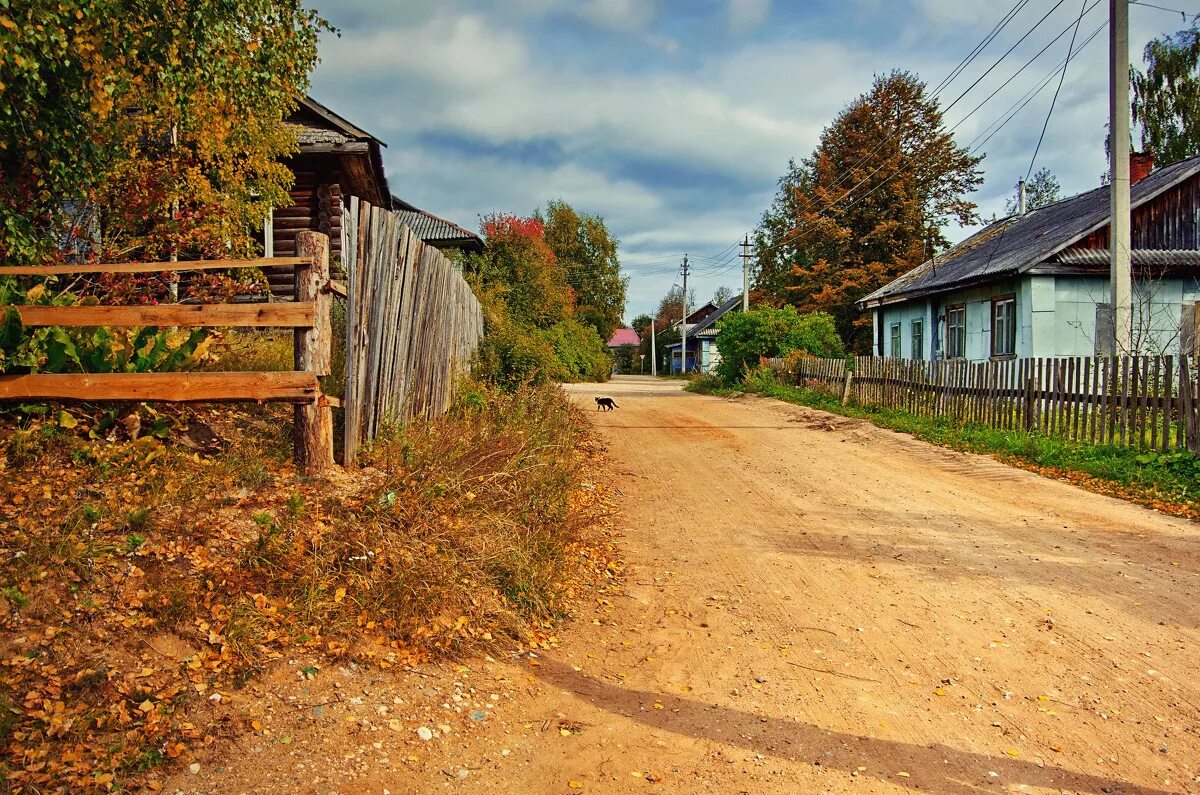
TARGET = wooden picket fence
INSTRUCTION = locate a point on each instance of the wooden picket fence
(308, 315)
(413, 325)
(1148, 402)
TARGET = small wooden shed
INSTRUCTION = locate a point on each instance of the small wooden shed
(337, 159)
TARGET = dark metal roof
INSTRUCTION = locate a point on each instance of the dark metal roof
(711, 318)
(1013, 245)
(434, 230)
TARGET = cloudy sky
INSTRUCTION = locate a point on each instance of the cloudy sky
(674, 118)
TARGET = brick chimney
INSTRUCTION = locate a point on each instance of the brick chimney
(1140, 166)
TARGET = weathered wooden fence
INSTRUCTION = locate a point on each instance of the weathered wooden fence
(413, 324)
(1149, 402)
(308, 315)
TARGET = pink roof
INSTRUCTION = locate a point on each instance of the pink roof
(624, 336)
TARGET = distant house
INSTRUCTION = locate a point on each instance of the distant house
(702, 353)
(1037, 284)
(624, 336)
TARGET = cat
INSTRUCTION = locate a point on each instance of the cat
(605, 403)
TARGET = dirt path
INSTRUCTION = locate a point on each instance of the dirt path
(813, 605)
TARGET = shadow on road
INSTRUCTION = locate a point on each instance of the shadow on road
(936, 768)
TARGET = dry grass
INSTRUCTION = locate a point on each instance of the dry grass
(465, 531)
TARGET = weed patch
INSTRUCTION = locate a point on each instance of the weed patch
(460, 533)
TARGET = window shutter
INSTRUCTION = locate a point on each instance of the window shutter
(1104, 343)
(1188, 338)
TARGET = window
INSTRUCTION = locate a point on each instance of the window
(918, 339)
(1004, 325)
(895, 341)
(956, 331)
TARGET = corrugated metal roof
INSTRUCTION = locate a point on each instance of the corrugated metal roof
(1138, 256)
(1014, 244)
(436, 230)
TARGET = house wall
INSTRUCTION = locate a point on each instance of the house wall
(905, 314)
(1056, 316)
(1159, 307)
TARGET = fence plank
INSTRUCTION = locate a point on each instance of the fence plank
(151, 267)
(284, 386)
(283, 315)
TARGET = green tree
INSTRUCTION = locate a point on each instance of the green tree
(533, 334)
(746, 336)
(587, 252)
(722, 294)
(1041, 190)
(641, 324)
(160, 124)
(1166, 96)
(867, 206)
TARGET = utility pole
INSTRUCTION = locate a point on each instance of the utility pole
(1118, 126)
(653, 349)
(683, 325)
(746, 274)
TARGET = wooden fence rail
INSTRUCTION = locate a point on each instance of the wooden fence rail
(308, 315)
(412, 324)
(1147, 402)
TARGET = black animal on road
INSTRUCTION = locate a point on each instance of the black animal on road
(606, 404)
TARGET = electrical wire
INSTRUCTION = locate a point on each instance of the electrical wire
(988, 71)
(1061, 77)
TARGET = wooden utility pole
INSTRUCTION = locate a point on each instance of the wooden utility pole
(746, 273)
(683, 325)
(653, 349)
(1118, 125)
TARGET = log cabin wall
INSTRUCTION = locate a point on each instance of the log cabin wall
(1165, 223)
(317, 207)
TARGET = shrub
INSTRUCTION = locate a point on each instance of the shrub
(579, 352)
(747, 336)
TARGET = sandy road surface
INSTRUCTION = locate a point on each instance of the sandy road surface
(817, 605)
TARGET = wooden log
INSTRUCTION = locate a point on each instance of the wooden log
(1187, 394)
(164, 387)
(290, 315)
(313, 429)
(149, 267)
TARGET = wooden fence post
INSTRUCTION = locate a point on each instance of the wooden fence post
(846, 386)
(1031, 385)
(313, 426)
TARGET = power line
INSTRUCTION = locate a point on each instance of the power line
(1061, 77)
(1015, 109)
(988, 71)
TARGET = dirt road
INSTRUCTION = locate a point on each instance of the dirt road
(818, 605)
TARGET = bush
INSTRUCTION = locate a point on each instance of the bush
(579, 351)
(512, 354)
(747, 336)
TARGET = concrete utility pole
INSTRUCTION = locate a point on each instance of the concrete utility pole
(653, 349)
(683, 325)
(1118, 125)
(746, 274)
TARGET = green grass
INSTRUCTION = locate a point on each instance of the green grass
(1144, 476)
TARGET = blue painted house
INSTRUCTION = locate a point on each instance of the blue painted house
(702, 353)
(1037, 284)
